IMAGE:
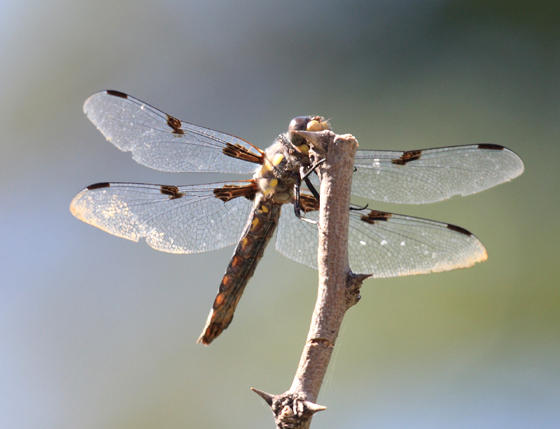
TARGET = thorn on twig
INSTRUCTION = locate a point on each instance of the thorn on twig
(266, 396)
(353, 285)
(358, 279)
(290, 410)
(313, 407)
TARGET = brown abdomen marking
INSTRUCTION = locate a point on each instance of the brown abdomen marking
(258, 230)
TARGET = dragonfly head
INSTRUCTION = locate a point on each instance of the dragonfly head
(306, 124)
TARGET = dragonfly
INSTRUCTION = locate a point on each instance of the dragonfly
(278, 191)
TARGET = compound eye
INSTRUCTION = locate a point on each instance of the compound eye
(299, 123)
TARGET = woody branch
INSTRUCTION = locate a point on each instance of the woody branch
(338, 286)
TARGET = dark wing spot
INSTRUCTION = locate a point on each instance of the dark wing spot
(376, 215)
(490, 146)
(175, 124)
(407, 156)
(308, 203)
(240, 152)
(172, 191)
(229, 192)
(117, 93)
(98, 185)
(458, 229)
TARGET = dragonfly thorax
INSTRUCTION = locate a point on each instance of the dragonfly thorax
(280, 170)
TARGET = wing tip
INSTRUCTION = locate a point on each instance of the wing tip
(77, 208)
(93, 96)
(517, 168)
(519, 163)
(479, 254)
(89, 100)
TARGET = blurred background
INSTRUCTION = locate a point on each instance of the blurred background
(99, 332)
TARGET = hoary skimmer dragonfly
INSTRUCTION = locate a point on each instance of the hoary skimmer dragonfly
(200, 218)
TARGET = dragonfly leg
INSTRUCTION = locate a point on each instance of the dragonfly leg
(298, 209)
(358, 208)
(311, 188)
(297, 198)
(304, 175)
(312, 168)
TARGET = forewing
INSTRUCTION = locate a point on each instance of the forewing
(174, 219)
(430, 175)
(161, 141)
(385, 244)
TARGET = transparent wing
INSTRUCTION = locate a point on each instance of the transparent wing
(386, 244)
(160, 141)
(403, 245)
(174, 219)
(430, 175)
(297, 239)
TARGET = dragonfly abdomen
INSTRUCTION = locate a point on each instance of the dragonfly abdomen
(249, 250)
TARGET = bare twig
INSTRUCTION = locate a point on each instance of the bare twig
(338, 286)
